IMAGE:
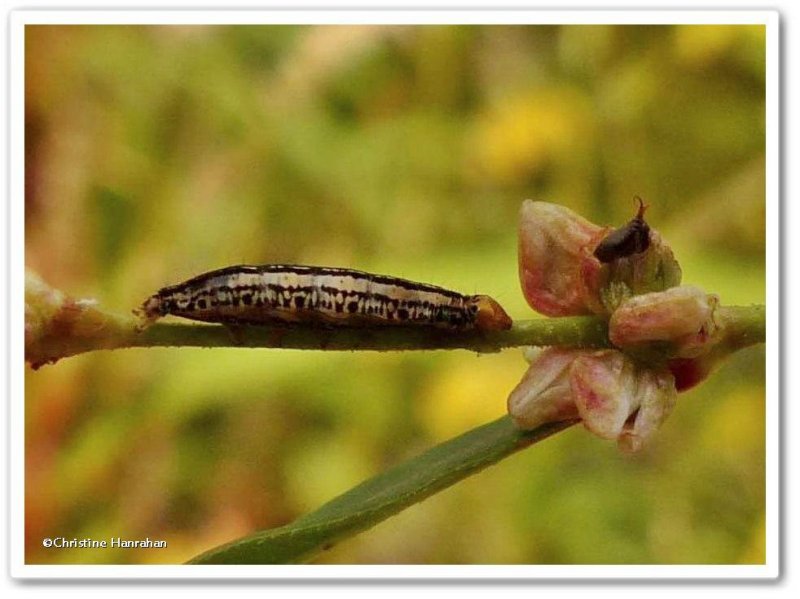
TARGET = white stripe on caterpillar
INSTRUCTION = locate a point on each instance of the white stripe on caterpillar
(329, 296)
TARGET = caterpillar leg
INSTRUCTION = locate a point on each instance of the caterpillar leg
(148, 312)
(236, 331)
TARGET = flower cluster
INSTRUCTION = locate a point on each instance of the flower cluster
(661, 331)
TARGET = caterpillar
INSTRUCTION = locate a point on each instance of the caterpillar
(286, 293)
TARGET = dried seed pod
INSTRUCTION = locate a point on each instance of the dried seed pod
(633, 238)
(652, 270)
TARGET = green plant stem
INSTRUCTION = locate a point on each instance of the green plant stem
(116, 332)
(58, 327)
(579, 331)
(382, 496)
(744, 325)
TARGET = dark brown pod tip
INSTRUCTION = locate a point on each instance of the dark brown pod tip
(633, 238)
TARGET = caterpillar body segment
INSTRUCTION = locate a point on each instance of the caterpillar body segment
(326, 296)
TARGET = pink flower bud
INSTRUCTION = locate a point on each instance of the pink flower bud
(689, 372)
(554, 243)
(603, 385)
(656, 396)
(682, 316)
(544, 394)
(655, 269)
(561, 276)
(614, 398)
(568, 267)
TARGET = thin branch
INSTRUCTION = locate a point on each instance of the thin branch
(58, 326)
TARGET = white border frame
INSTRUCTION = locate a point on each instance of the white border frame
(19, 19)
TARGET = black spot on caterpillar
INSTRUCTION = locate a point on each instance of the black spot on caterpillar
(633, 238)
(319, 295)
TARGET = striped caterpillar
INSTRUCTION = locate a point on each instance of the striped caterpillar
(324, 296)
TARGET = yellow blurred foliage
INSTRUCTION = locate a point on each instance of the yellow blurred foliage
(468, 393)
(737, 416)
(326, 467)
(756, 552)
(521, 134)
(702, 45)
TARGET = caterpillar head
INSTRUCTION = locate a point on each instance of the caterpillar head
(489, 315)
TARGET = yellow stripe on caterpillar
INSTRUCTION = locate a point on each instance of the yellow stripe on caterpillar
(320, 295)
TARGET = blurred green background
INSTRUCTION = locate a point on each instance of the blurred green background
(157, 153)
